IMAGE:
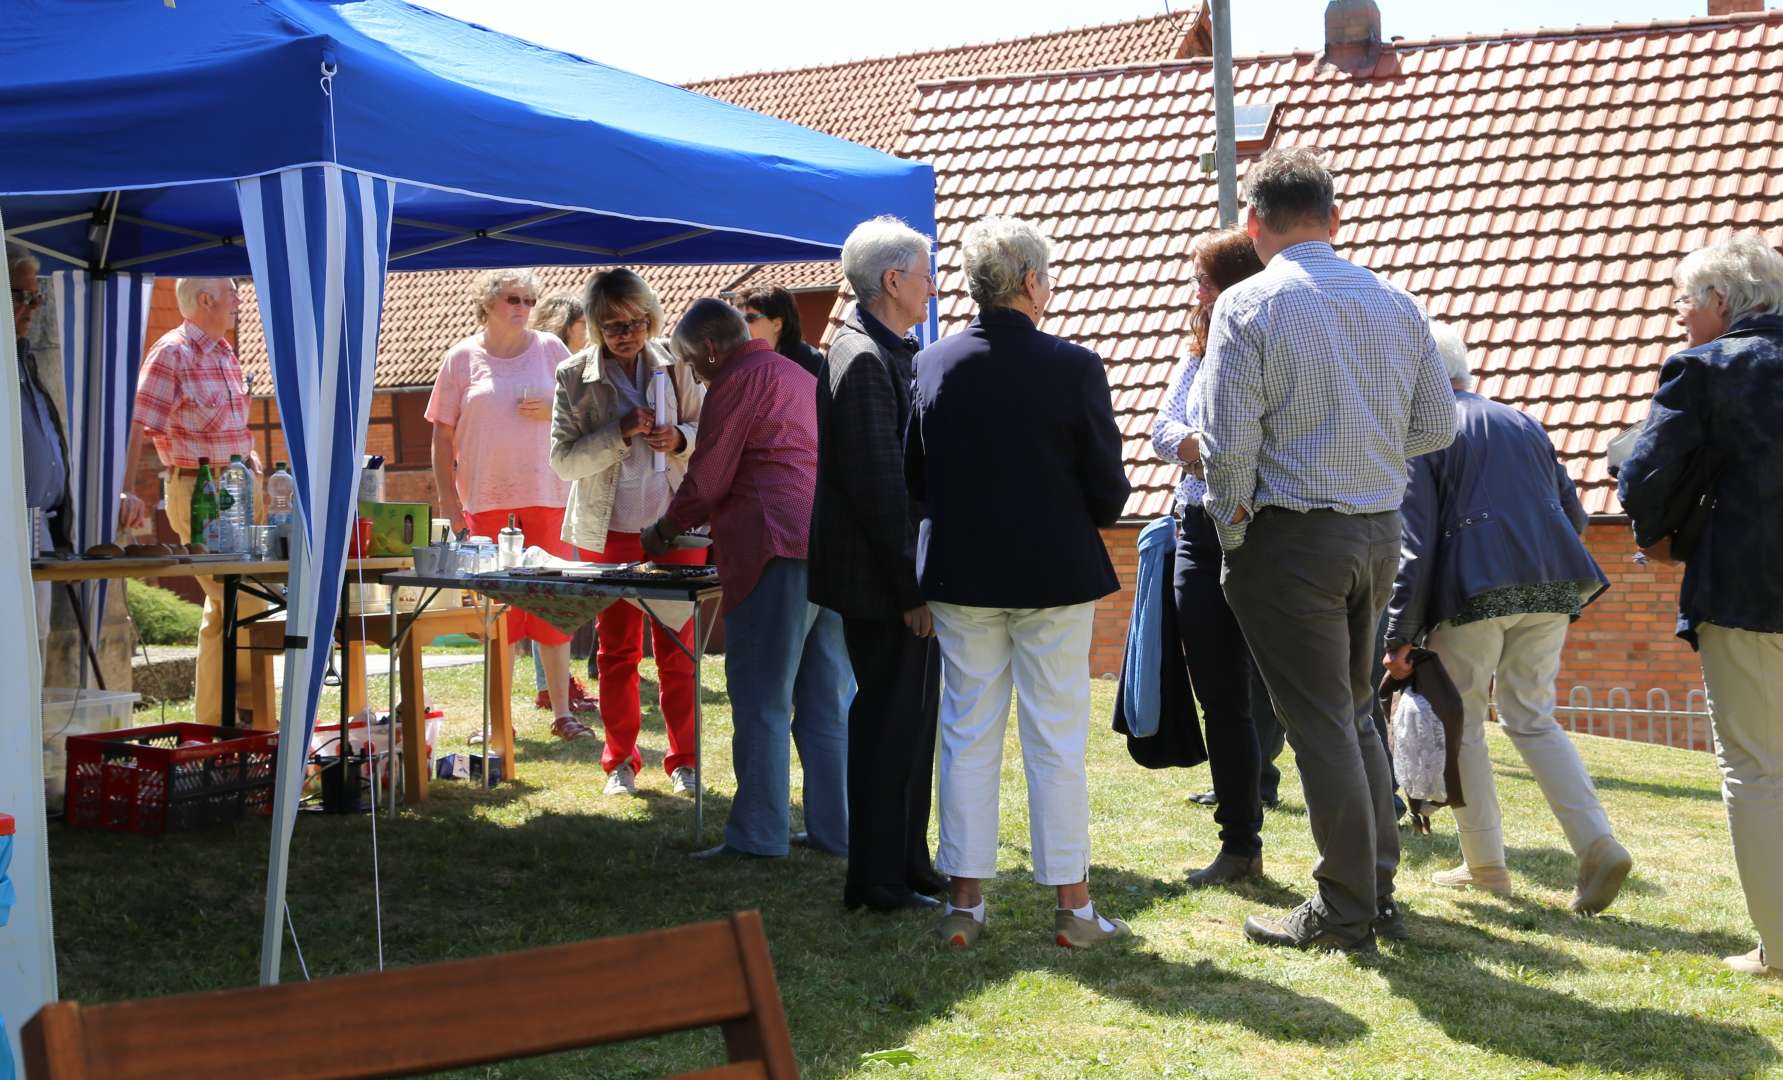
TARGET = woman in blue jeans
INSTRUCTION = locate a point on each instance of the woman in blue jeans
(1220, 668)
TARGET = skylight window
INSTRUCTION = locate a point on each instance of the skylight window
(1250, 121)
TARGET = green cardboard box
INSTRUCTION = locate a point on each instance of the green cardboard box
(396, 527)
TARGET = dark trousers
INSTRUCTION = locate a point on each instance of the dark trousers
(891, 751)
(1220, 673)
(1308, 589)
(1270, 739)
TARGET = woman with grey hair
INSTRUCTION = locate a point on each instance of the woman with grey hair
(1492, 572)
(491, 414)
(605, 441)
(1718, 417)
(1012, 432)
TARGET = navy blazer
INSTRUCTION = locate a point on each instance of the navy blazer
(1494, 508)
(1726, 394)
(1014, 458)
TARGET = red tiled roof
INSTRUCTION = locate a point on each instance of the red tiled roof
(866, 101)
(1535, 190)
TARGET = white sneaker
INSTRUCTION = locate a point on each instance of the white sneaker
(682, 781)
(621, 782)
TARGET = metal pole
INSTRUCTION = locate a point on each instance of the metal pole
(1225, 151)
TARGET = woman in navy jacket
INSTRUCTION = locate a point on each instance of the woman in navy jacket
(1723, 397)
(1013, 454)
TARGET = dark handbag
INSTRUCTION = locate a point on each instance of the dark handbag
(1430, 681)
(1690, 502)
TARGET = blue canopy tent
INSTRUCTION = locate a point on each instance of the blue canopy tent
(316, 144)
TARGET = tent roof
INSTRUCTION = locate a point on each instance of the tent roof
(483, 131)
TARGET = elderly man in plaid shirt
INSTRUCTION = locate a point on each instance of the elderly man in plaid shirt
(191, 403)
(1320, 381)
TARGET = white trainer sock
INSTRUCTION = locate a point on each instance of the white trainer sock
(1088, 911)
(977, 911)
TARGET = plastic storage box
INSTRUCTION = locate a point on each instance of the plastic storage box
(68, 711)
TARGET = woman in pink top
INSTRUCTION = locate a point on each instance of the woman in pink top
(491, 415)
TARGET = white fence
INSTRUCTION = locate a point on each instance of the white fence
(1658, 723)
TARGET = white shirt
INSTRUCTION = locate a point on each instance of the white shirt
(643, 493)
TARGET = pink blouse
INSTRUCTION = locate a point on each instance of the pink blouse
(503, 458)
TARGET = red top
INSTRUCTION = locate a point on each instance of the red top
(5, 824)
(192, 400)
(753, 471)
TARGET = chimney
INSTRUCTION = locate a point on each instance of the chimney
(1734, 7)
(1353, 34)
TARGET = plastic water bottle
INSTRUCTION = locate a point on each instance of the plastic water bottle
(238, 508)
(281, 496)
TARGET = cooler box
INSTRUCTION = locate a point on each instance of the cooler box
(68, 712)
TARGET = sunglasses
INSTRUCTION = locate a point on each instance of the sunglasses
(515, 300)
(624, 327)
(27, 299)
(751, 316)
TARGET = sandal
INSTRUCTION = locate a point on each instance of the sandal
(568, 728)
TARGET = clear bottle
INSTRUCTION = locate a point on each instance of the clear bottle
(281, 496)
(237, 508)
(513, 545)
(204, 525)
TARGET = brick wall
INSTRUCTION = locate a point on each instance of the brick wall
(1109, 638)
(1627, 640)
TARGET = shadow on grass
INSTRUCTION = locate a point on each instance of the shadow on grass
(1521, 1017)
(1663, 791)
(1520, 913)
(1557, 868)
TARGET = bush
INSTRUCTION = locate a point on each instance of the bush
(161, 617)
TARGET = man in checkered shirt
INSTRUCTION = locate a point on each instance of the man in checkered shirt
(191, 403)
(1320, 381)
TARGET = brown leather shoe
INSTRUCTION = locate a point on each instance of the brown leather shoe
(1226, 869)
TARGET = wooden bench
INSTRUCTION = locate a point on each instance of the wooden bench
(441, 1016)
(266, 638)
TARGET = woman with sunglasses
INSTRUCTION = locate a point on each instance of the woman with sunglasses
(491, 416)
(605, 441)
(773, 316)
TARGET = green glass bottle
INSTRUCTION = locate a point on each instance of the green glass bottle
(204, 505)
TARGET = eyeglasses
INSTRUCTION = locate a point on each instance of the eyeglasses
(751, 316)
(516, 300)
(27, 299)
(624, 327)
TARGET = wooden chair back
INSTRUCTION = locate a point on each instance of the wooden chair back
(441, 1016)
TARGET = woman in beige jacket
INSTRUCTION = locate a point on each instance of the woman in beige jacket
(605, 441)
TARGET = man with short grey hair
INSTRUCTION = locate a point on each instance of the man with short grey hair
(751, 475)
(1321, 379)
(863, 566)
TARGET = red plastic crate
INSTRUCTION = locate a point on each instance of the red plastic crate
(168, 777)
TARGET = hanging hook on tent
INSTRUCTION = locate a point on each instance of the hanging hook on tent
(329, 68)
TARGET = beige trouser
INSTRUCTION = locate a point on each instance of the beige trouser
(1523, 651)
(1744, 673)
(208, 681)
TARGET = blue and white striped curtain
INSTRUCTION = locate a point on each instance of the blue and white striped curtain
(318, 240)
(101, 326)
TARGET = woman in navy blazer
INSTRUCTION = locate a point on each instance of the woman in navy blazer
(1013, 454)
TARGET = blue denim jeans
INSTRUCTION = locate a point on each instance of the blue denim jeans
(790, 682)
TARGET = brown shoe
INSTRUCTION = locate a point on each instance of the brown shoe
(1071, 932)
(959, 930)
(1602, 869)
(1493, 879)
(1226, 869)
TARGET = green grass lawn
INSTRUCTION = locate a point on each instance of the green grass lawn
(1485, 986)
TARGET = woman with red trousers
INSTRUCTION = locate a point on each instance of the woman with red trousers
(604, 441)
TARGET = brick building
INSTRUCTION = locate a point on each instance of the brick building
(1534, 189)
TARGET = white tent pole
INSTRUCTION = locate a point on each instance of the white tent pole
(27, 949)
(293, 755)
